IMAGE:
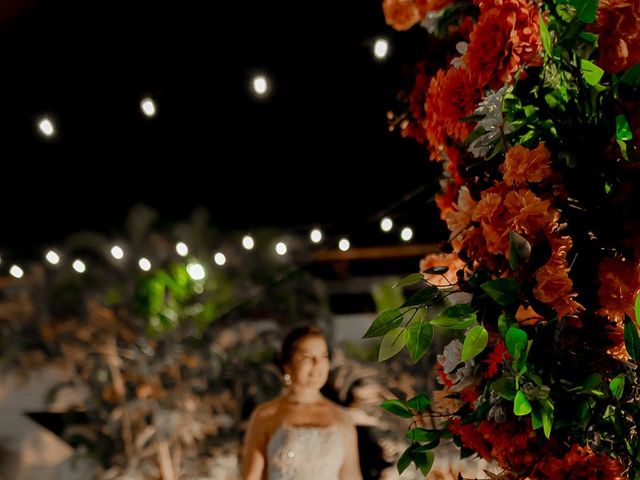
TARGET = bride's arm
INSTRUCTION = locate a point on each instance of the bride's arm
(351, 467)
(255, 442)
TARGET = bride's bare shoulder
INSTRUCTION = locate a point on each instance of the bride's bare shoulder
(267, 410)
(341, 415)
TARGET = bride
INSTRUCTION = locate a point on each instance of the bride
(301, 434)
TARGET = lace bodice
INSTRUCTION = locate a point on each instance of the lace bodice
(301, 453)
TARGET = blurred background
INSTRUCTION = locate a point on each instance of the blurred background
(182, 184)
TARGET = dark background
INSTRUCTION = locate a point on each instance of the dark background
(317, 150)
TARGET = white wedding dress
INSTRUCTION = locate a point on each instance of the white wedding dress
(305, 453)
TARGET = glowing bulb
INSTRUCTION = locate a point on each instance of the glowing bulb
(46, 127)
(219, 258)
(144, 264)
(406, 234)
(148, 107)
(281, 248)
(381, 48)
(117, 252)
(316, 235)
(260, 85)
(182, 249)
(386, 224)
(196, 271)
(16, 271)
(79, 266)
(344, 244)
(247, 242)
(52, 257)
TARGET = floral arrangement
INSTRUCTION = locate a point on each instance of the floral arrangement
(534, 113)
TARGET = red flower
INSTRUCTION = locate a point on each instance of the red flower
(618, 24)
(495, 358)
(506, 38)
(580, 463)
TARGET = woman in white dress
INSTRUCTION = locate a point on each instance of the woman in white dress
(301, 435)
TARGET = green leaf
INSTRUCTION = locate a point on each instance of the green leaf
(504, 322)
(631, 337)
(584, 413)
(392, 343)
(546, 38)
(519, 250)
(457, 317)
(409, 280)
(623, 130)
(632, 77)
(617, 386)
(505, 387)
(504, 291)
(405, 459)
(385, 296)
(419, 335)
(384, 322)
(420, 403)
(521, 405)
(623, 149)
(422, 435)
(422, 297)
(547, 422)
(536, 417)
(436, 270)
(474, 343)
(589, 37)
(424, 461)
(591, 72)
(516, 341)
(397, 407)
(586, 10)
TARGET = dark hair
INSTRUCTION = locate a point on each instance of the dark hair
(293, 337)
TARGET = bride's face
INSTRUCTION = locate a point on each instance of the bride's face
(309, 365)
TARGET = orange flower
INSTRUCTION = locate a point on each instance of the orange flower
(449, 260)
(491, 214)
(619, 286)
(523, 165)
(506, 37)
(528, 214)
(453, 96)
(554, 286)
(459, 219)
(401, 14)
(581, 462)
(618, 25)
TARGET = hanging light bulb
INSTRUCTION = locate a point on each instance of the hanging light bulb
(406, 234)
(316, 235)
(386, 224)
(52, 257)
(117, 252)
(281, 248)
(16, 271)
(182, 249)
(247, 242)
(344, 244)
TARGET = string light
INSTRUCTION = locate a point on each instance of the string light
(281, 248)
(386, 224)
(52, 257)
(16, 271)
(260, 85)
(406, 234)
(315, 235)
(148, 107)
(196, 271)
(46, 127)
(344, 244)
(144, 264)
(381, 48)
(79, 266)
(182, 249)
(117, 252)
(248, 243)
(219, 258)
